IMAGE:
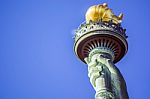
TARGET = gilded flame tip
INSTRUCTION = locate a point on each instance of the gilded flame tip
(101, 12)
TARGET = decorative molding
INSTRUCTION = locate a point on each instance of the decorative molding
(98, 26)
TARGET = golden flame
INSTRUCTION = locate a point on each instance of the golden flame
(102, 13)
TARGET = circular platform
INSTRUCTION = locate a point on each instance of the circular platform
(101, 38)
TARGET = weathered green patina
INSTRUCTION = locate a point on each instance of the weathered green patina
(100, 42)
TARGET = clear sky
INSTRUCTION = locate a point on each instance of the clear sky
(37, 60)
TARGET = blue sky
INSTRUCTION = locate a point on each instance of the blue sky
(36, 49)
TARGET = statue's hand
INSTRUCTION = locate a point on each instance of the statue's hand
(108, 63)
(103, 59)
